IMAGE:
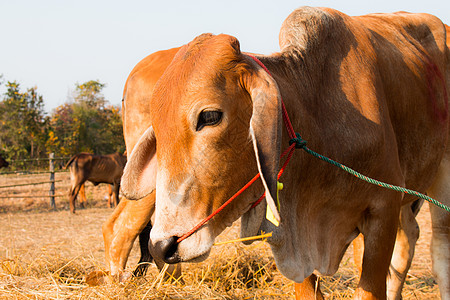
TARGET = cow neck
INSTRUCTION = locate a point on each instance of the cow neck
(295, 142)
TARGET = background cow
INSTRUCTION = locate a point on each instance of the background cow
(3, 162)
(83, 199)
(357, 88)
(96, 169)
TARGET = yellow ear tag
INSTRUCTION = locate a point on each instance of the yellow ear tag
(269, 213)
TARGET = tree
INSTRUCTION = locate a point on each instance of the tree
(89, 93)
(87, 124)
(60, 138)
(23, 123)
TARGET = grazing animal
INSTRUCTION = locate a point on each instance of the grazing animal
(3, 162)
(96, 169)
(132, 218)
(368, 91)
(83, 200)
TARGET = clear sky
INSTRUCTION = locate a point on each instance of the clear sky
(53, 44)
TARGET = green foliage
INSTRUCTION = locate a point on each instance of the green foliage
(23, 123)
(89, 93)
(85, 124)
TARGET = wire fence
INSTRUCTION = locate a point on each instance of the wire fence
(33, 166)
(26, 184)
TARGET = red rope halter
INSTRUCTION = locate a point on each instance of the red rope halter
(289, 151)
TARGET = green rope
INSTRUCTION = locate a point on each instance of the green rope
(301, 144)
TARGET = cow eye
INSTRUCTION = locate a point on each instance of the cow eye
(208, 118)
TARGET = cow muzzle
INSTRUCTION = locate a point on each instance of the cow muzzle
(166, 250)
(165, 247)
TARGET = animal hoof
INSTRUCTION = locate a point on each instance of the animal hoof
(125, 276)
(95, 278)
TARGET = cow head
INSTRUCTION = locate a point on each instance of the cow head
(216, 122)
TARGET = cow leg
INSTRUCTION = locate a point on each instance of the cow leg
(146, 257)
(173, 271)
(73, 196)
(82, 194)
(440, 249)
(121, 229)
(110, 194)
(407, 235)
(358, 252)
(116, 193)
(379, 230)
(440, 240)
(309, 289)
(405, 243)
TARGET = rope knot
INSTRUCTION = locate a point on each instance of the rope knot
(299, 142)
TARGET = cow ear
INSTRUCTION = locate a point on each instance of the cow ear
(265, 129)
(139, 174)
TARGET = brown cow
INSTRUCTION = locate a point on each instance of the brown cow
(3, 162)
(368, 91)
(132, 218)
(83, 200)
(96, 169)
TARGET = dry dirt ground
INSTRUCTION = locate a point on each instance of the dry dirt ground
(46, 254)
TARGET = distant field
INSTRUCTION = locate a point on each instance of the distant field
(39, 200)
(46, 255)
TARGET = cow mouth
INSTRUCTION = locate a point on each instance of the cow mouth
(199, 258)
(169, 251)
(194, 257)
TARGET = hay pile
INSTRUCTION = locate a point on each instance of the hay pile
(46, 255)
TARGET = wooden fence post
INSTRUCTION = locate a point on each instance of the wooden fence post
(51, 192)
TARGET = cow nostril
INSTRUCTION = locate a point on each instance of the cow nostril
(171, 256)
(167, 250)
